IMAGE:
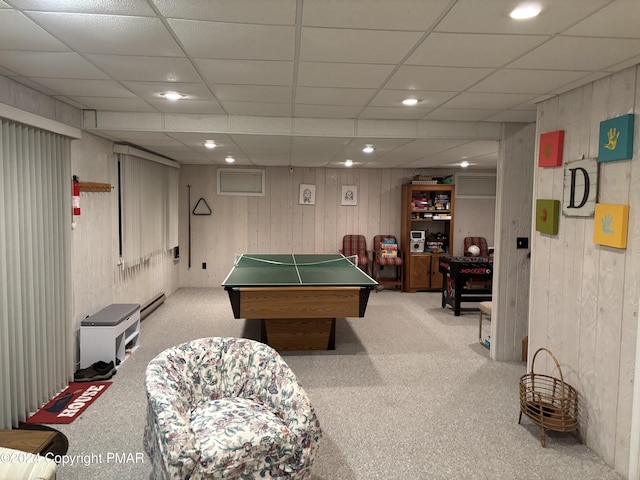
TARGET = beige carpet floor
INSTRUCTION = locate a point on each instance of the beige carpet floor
(408, 394)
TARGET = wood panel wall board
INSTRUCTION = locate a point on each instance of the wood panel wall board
(375, 205)
(570, 112)
(516, 161)
(308, 213)
(319, 235)
(298, 212)
(332, 239)
(252, 224)
(614, 188)
(608, 330)
(630, 306)
(366, 196)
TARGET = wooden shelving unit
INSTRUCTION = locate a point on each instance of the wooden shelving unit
(427, 208)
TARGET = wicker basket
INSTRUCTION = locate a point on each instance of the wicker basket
(550, 402)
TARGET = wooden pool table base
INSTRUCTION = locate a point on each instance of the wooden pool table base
(299, 318)
(299, 333)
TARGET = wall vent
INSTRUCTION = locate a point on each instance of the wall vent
(247, 181)
(475, 185)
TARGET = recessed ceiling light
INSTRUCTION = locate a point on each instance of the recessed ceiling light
(525, 11)
(368, 148)
(210, 144)
(348, 163)
(173, 96)
(464, 164)
(410, 102)
(229, 159)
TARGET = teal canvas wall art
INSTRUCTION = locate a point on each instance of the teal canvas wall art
(616, 139)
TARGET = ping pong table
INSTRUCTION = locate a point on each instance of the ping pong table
(297, 297)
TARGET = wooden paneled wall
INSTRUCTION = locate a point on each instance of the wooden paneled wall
(584, 297)
(277, 223)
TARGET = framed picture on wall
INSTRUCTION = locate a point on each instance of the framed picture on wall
(349, 195)
(307, 194)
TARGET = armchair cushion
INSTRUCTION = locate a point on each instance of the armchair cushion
(237, 433)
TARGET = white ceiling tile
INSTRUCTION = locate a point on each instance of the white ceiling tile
(251, 143)
(460, 62)
(234, 40)
(397, 113)
(187, 106)
(578, 53)
(17, 32)
(333, 96)
(197, 139)
(50, 64)
(570, 86)
(260, 109)
(327, 111)
(460, 114)
(473, 16)
(312, 74)
(110, 34)
(84, 88)
(436, 78)
(130, 7)
(147, 138)
(329, 146)
(472, 50)
(356, 46)
(474, 100)
(274, 12)
(618, 19)
(526, 81)
(246, 72)
(148, 90)
(132, 67)
(394, 98)
(375, 14)
(253, 93)
(114, 104)
(626, 64)
(525, 116)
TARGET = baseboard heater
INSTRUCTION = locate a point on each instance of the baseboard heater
(151, 305)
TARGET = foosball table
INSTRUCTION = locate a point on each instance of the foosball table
(465, 279)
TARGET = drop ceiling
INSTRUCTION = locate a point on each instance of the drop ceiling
(308, 83)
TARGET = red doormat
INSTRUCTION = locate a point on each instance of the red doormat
(70, 403)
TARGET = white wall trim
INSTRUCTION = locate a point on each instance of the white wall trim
(33, 120)
(127, 150)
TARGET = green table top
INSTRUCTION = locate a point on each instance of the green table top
(285, 270)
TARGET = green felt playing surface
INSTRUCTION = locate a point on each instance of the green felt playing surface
(295, 269)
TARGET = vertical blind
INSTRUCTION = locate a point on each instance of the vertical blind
(35, 285)
(149, 209)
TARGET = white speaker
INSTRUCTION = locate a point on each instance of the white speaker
(417, 246)
(417, 241)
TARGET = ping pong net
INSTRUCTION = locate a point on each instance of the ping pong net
(237, 257)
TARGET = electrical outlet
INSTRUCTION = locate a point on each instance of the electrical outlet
(204, 265)
(522, 242)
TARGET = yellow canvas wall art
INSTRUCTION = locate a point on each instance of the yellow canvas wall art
(610, 224)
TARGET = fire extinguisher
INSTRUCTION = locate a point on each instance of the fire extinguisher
(75, 199)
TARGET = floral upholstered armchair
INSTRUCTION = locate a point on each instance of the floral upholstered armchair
(227, 408)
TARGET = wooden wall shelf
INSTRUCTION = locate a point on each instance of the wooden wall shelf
(95, 187)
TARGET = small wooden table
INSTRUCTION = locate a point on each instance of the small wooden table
(32, 441)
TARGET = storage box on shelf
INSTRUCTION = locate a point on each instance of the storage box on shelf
(428, 209)
(110, 334)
